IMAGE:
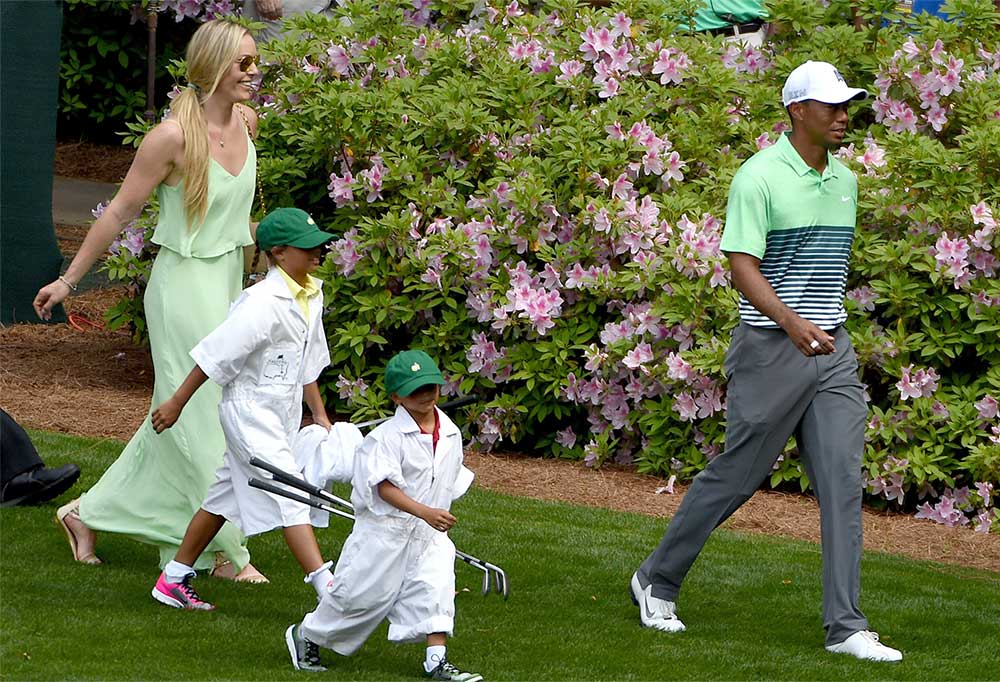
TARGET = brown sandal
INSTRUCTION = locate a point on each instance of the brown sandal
(225, 569)
(72, 509)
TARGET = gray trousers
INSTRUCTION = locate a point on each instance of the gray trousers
(775, 391)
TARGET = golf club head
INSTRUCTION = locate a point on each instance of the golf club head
(500, 580)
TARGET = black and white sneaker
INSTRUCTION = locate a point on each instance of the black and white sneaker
(305, 654)
(447, 672)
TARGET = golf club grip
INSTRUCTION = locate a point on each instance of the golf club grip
(267, 486)
(285, 477)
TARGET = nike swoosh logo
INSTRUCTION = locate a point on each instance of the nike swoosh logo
(845, 199)
(645, 607)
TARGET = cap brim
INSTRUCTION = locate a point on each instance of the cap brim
(841, 96)
(312, 240)
(412, 384)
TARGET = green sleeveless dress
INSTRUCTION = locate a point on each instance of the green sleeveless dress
(159, 481)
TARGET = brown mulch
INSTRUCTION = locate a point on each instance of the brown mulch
(88, 161)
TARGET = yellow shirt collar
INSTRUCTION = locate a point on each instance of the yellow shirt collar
(300, 293)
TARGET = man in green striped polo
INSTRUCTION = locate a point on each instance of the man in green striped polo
(791, 367)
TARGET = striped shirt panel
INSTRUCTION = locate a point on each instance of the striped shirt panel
(807, 268)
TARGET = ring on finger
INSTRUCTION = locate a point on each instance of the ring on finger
(814, 344)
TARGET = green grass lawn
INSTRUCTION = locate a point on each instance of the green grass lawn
(751, 604)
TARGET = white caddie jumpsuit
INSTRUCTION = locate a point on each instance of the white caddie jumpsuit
(394, 565)
(261, 355)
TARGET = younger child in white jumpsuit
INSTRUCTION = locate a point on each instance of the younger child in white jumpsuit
(398, 563)
(267, 356)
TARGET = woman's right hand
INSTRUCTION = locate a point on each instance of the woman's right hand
(48, 297)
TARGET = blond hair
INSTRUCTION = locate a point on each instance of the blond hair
(210, 54)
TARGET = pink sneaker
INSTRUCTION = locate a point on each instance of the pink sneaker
(179, 595)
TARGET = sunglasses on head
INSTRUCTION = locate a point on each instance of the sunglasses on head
(247, 61)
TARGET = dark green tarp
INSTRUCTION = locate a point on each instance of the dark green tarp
(29, 90)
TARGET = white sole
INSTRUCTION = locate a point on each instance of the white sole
(290, 643)
(164, 599)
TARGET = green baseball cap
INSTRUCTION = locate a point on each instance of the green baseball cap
(290, 227)
(409, 370)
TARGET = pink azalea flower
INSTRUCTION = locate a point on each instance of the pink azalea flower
(674, 170)
(372, 179)
(902, 118)
(919, 384)
(609, 89)
(569, 69)
(566, 437)
(432, 277)
(988, 407)
(338, 59)
(639, 355)
(615, 132)
(982, 215)
(685, 406)
(983, 522)
(622, 188)
(341, 190)
(763, 141)
(985, 492)
(595, 42)
(873, 156)
(864, 296)
(937, 117)
(936, 52)
(720, 276)
(652, 164)
(543, 65)
(621, 25)
(940, 409)
(951, 255)
(677, 368)
(602, 221)
(670, 65)
(345, 253)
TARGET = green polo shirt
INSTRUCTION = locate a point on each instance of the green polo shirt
(800, 224)
(721, 13)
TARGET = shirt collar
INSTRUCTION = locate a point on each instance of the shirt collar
(791, 156)
(446, 427)
(310, 289)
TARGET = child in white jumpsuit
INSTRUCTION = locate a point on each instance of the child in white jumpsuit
(398, 563)
(266, 355)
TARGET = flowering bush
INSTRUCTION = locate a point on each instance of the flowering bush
(538, 199)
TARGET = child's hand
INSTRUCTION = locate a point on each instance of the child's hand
(439, 519)
(166, 415)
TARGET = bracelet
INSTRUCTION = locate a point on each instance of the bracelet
(72, 287)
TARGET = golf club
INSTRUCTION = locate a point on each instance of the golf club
(493, 576)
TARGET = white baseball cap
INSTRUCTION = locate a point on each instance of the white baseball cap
(819, 81)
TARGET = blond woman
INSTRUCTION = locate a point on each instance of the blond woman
(202, 164)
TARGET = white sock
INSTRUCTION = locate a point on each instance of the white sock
(435, 654)
(321, 579)
(175, 571)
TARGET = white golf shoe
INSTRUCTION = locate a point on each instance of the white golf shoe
(865, 645)
(653, 612)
